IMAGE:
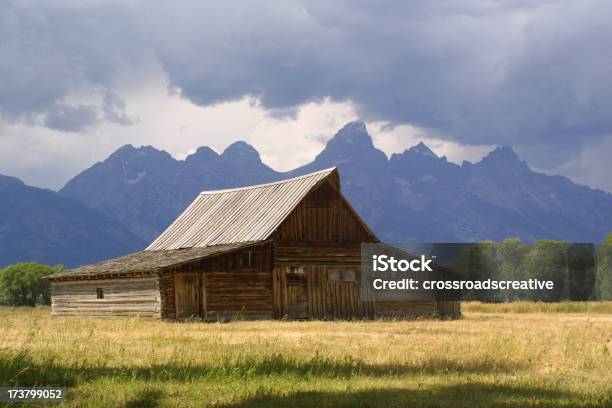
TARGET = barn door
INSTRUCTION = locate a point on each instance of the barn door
(187, 295)
(297, 293)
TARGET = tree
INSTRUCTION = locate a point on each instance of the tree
(477, 262)
(488, 259)
(512, 253)
(603, 284)
(581, 268)
(21, 284)
(547, 261)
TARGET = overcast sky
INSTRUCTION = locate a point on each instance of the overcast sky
(79, 80)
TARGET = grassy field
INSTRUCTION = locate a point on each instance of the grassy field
(487, 359)
(538, 307)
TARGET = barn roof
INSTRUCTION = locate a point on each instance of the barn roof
(148, 261)
(238, 215)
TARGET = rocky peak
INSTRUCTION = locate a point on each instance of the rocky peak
(352, 134)
(203, 154)
(124, 151)
(352, 143)
(504, 153)
(423, 150)
(503, 157)
(129, 152)
(241, 151)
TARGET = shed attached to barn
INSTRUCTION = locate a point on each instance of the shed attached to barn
(289, 249)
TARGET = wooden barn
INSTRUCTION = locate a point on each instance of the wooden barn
(289, 249)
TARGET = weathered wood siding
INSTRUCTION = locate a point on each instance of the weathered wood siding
(227, 287)
(166, 288)
(122, 297)
(293, 254)
(450, 309)
(187, 295)
(323, 217)
(321, 235)
(325, 299)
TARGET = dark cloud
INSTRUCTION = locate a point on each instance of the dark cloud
(70, 118)
(114, 110)
(530, 74)
(52, 50)
(533, 75)
(78, 118)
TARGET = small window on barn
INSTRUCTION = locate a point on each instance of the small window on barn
(334, 276)
(349, 276)
(341, 276)
(100, 293)
(297, 270)
(249, 260)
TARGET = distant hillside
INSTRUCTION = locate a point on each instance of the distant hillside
(413, 196)
(44, 226)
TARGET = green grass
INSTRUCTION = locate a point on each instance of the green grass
(485, 359)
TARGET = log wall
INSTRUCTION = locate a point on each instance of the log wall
(122, 297)
(166, 287)
(326, 299)
(449, 309)
(294, 254)
(228, 287)
(188, 292)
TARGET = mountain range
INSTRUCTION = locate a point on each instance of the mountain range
(44, 226)
(411, 196)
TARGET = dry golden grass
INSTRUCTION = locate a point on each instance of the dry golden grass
(485, 359)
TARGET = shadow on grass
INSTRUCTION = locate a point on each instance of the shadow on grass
(147, 398)
(21, 369)
(472, 395)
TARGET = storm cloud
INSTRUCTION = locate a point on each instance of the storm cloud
(534, 75)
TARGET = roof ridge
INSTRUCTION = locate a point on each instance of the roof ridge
(240, 214)
(254, 186)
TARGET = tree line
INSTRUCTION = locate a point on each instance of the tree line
(579, 272)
